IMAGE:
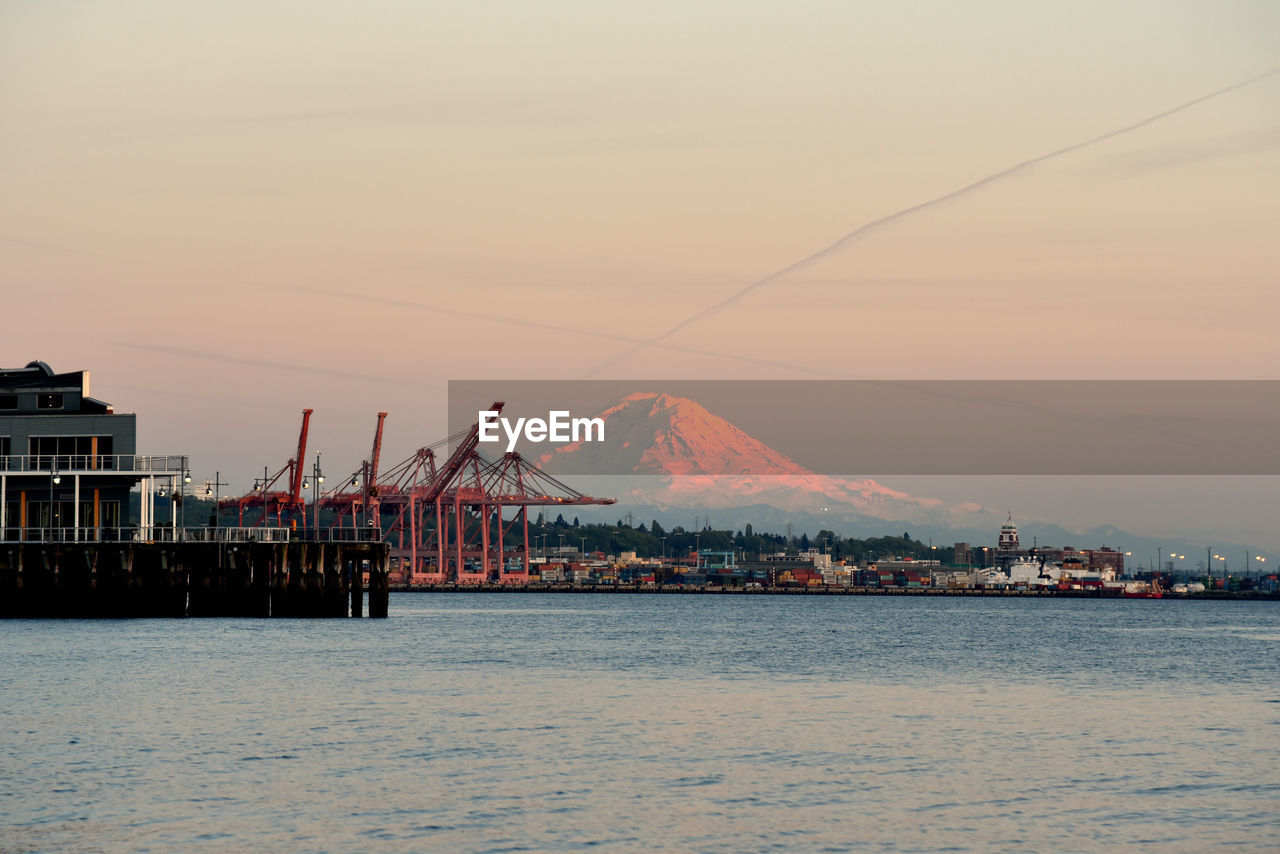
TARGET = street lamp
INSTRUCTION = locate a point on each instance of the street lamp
(317, 478)
(1261, 560)
(214, 490)
(54, 479)
(664, 550)
(173, 512)
(182, 494)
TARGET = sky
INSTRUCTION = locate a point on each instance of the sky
(230, 212)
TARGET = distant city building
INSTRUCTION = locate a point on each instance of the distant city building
(1105, 558)
(1008, 541)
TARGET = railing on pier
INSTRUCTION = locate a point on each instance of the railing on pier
(166, 534)
(340, 535)
(133, 534)
(91, 463)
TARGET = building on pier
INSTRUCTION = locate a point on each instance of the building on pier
(68, 462)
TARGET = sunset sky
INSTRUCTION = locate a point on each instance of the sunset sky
(229, 212)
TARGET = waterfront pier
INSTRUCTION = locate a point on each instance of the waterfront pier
(212, 572)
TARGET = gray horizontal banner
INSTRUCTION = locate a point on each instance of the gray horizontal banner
(872, 427)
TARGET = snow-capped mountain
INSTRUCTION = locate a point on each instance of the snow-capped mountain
(705, 461)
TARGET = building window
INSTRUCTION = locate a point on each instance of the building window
(109, 514)
(72, 452)
(8, 401)
(51, 400)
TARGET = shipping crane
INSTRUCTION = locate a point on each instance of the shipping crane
(264, 496)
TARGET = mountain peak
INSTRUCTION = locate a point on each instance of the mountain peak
(659, 433)
(709, 462)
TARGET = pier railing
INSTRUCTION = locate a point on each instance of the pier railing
(165, 534)
(91, 463)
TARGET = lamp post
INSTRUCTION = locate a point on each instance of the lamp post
(584, 547)
(214, 490)
(182, 495)
(664, 551)
(54, 479)
(173, 515)
(317, 478)
(1261, 560)
(353, 485)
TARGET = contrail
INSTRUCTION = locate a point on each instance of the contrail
(258, 363)
(866, 228)
(551, 327)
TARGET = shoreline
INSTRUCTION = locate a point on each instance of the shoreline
(704, 590)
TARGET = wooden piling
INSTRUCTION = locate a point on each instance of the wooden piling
(192, 578)
(355, 570)
(379, 589)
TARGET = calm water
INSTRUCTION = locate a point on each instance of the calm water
(563, 722)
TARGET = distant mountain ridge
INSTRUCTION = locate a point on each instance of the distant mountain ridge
(706, 461)
(685, 452)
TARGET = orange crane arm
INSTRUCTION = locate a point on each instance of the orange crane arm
(376, 455)
(456, 460)
(295, 480)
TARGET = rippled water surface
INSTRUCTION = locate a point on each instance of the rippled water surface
(483, 722)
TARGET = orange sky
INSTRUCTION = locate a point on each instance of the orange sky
(228, 214)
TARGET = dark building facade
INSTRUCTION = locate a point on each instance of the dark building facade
(68, 462)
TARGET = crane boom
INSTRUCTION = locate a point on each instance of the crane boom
(295, 479)
(436, 486)
(376, 454)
